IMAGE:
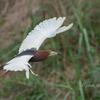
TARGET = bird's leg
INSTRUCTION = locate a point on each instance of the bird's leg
(33, 72)
(29, 66)
(5, 72)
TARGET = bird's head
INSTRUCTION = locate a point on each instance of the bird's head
(54, 53)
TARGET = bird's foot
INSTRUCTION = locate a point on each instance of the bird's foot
(5, 72)
(36, 74)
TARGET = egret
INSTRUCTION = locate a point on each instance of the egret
(28, 51)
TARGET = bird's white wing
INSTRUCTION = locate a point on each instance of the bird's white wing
(20, 62)
(46, 29)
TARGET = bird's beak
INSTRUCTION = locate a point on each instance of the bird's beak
(60, 55)
(55, 53)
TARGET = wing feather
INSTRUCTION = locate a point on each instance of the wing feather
(20, 62)
(64, 28)
(46, 29)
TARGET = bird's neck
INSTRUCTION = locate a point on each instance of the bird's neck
(40, 56)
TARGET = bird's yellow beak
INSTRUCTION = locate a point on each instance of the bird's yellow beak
(55, 53)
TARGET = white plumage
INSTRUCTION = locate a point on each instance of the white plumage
(19, 64)
(46, 29)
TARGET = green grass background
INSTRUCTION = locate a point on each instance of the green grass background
(76, 76)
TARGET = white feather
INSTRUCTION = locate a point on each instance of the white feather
(64, 28)
(46, 29)
(19, 64)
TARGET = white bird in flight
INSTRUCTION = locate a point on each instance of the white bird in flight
(28, 51)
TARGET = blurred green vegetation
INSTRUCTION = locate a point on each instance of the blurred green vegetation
(76, 76)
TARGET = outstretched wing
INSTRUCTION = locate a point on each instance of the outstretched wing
(46, 29)
(20, 62)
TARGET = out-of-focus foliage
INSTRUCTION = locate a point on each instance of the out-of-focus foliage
(76, 76)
